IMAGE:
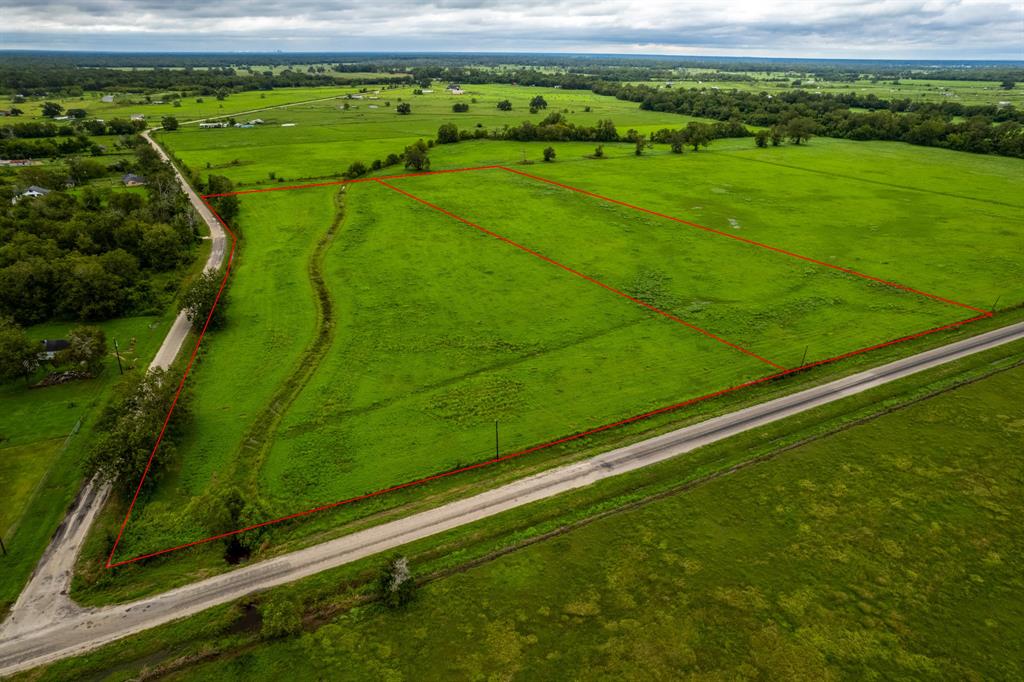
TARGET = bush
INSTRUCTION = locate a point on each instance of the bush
(282, 616)
(396, 585)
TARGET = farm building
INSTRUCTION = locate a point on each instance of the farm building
(214, 124)
(132, 180)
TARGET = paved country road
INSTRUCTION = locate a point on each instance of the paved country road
(90, 628)
(44, 599)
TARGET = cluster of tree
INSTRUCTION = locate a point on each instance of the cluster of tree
(989, 129)
(90, 257)
(128, 428)
(45, 139)
(414, 157)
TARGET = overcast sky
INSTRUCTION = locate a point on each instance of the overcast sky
(924, 29)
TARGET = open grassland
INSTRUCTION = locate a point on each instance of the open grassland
(126, 105)
(440, 333)
(437, 331)
(888, 550)
(770, 304)
(944, 222)
(326, 138)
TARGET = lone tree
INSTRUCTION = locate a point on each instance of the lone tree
(538, 102)
(416, 156)
(761, 138)
(19, 357)
(599, 151)
(52, 109)
(505, 105)
(87, 349)
(404, 108)
(549, 154)
(697, 135)
(448, 133)
(395, 584)
(460, 107)
(800, 129)
(199, 299)
(169, 123)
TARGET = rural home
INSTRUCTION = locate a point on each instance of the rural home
(455, 89)
(51, 347)
(132, 180)
(32, 192)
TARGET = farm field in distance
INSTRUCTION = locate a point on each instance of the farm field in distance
(424, 354)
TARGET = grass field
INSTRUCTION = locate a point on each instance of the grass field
(437, 331)
(885, 551)
(325, 138)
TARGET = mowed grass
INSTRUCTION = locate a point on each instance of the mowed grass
(271, 319)
(771, 305)
(325, 139)
(885, 551)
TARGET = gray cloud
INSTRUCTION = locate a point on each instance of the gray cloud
(829, 28)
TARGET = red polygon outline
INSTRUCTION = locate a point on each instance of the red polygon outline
(783, 372)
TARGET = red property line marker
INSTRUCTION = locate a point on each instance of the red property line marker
(420, 481)
(579, 274)
(576, 436)
(181, 384)
(792, 254)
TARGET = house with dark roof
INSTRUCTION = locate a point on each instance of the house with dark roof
(133, 180)
(53, 346)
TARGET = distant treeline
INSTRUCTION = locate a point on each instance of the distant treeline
(583, 64)
(987, 129)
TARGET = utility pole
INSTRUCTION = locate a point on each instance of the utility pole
(496, 451)
(993, 308)
(803, 360)
(117, 352)
(2, 546)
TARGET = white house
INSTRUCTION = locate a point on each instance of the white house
(32, 192)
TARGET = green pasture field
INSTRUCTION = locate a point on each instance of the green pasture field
(918, 90)
(325, 139)
(125, 105)
(885, 551)
(425, 353)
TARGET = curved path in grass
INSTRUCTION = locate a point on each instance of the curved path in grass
(88, 629)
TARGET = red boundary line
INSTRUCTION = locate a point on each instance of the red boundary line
(579, 274)
(581, 434)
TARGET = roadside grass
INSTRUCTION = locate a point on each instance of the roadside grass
(863, 493)
(887, 550)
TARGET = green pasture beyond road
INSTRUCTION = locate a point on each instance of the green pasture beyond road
(438, 331)
(322, 139)
(886, 551)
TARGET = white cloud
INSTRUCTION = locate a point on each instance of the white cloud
(855, 28)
